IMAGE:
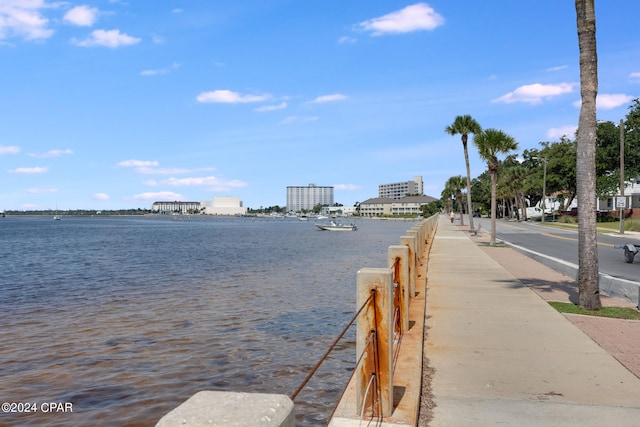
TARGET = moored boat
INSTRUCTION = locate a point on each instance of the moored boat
(333, 226)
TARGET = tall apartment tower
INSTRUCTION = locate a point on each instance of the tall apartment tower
(398, 190)
(299, 198)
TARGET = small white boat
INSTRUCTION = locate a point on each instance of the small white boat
(322, 217)
(333, 226)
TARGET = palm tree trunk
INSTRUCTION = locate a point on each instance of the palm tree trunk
(588, 280)
(469, 207)
(494, 185)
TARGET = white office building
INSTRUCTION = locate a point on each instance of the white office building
(398, 190)
(299, 198)
(224, 205)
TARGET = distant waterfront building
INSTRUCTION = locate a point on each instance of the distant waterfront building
(169, 208)
(224, 205)
(307, 198)
(387, 206)
(398, 190)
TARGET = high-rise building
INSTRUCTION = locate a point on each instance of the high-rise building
(398, 190)
(307, 198)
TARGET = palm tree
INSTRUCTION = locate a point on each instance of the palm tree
(490, 143)
(588, 284)
(464, 125)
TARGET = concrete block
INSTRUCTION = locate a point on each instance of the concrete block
(231, 409)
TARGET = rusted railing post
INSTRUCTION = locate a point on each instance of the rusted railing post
(374, 341)
(410, 242)
(398, 258)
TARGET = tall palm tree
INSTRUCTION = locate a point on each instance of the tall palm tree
(490, 143)
(464, 125)
(588, 281)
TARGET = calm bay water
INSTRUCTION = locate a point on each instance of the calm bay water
(125, 318)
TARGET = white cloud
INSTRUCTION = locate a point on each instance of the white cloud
(347, 39)
(229, 97)
(161, 195)
(556, 133)
(22, 19)
(635, 76)
(42, 190)
(535, 93)
(558, 68)
(160, 171)
(294, 119)
(138, 163)
(106, 38)
(280, 106)
(612, 100)
(82, 16)
(329, 98)
(52, 153)
(608, 101)
(32, 170)
(417, 17)
(100, 196)
(212, 182)
(9, 149)
(160, 71)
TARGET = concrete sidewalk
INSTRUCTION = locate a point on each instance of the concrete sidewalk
(500, 355)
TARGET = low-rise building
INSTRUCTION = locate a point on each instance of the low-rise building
(224, 205)
(175, 207)
(387, 206)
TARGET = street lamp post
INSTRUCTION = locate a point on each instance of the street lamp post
(544, 188)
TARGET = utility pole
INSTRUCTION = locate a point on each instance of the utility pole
(622, 175)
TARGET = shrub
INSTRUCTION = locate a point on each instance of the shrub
(568, 219)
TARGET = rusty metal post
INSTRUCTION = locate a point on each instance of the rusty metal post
(399, 261)
(378, 353)
(410, 242)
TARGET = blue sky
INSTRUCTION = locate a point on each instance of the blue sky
(116, 104)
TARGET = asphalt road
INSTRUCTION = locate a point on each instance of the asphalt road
(562, 244)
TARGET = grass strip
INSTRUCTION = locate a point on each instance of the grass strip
(613, 312)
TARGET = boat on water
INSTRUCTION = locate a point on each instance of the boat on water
(333, 226)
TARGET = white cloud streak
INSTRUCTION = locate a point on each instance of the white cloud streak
(417, 17)
(32, 170)
(280, 106)
(329, 98)
(9, 149)
(82, 16)
(535, 93)
(52, 153)
(229, 97)
(159, 196)
(107, 38)
(22, 19)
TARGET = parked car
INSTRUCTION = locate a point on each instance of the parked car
(533, 212)
(477, 214)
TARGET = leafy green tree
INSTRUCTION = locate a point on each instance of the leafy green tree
(588, 279)
(491, 143)
(456, 184)
(464, 125)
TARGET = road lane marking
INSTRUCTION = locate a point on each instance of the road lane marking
(571, 238)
